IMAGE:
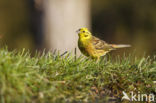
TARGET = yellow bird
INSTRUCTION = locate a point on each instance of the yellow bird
(92, 46)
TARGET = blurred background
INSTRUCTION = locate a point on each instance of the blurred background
(51, 24)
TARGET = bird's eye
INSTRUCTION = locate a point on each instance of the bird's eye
(83, 31)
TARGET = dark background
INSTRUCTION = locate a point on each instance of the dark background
(115, 21)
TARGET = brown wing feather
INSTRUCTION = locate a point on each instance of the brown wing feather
(101, 45)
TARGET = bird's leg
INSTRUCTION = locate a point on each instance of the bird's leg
(98, 59)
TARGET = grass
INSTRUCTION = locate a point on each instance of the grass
(51, 78)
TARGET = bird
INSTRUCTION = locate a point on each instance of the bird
(94, 47)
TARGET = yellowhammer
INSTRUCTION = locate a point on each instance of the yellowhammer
(92, 46)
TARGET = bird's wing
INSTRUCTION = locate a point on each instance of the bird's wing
(100, 44)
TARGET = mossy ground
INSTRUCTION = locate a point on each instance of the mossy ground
(51, 78)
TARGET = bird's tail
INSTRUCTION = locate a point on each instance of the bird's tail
(120, 45)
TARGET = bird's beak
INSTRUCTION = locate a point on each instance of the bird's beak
(78, 31)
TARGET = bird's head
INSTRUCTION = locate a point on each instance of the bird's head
(84, 33)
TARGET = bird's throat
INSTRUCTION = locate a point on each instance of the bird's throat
(84, 42)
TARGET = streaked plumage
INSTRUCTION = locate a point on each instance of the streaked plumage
(92, 46)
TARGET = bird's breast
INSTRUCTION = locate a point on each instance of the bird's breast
(85, 48)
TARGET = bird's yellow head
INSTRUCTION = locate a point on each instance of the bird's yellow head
(84, 34)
